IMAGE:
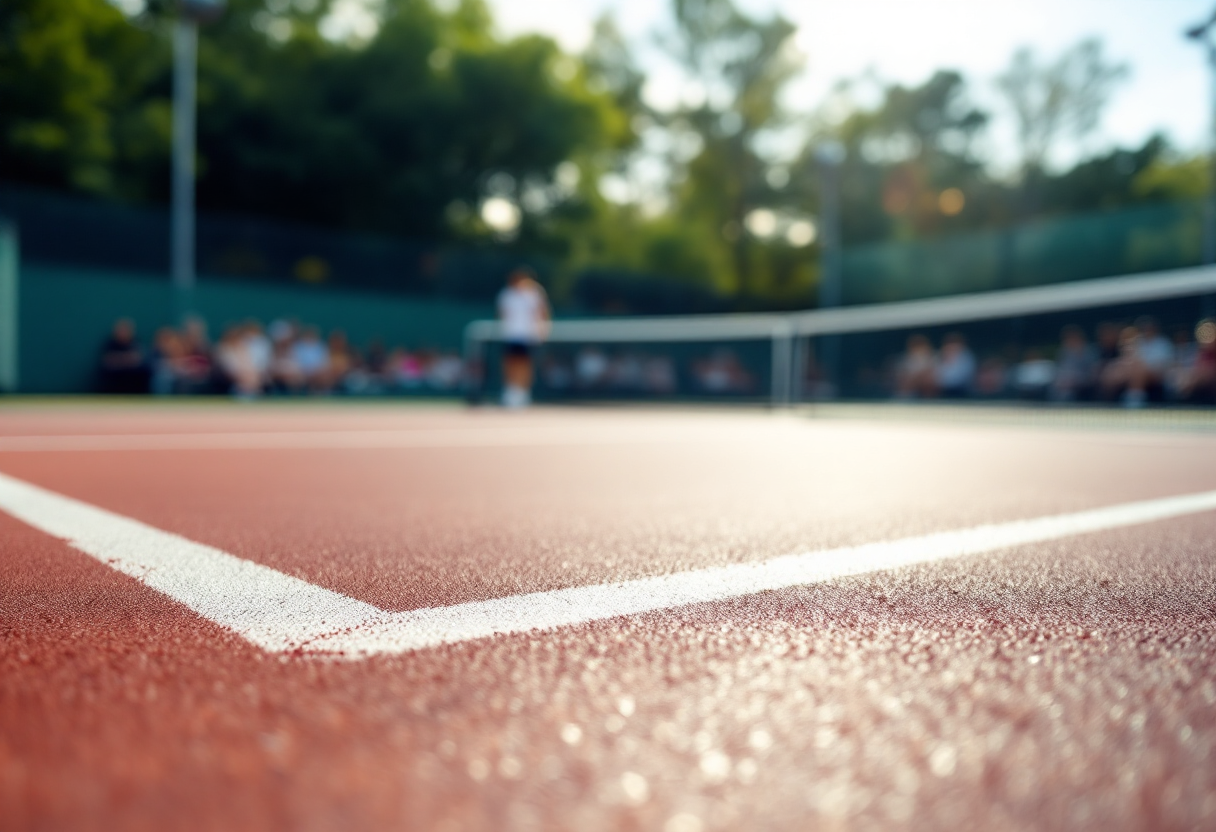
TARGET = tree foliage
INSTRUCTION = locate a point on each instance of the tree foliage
(73, 77)
(741, 65)
(410, 126)
(1053, 99)
(387, 134)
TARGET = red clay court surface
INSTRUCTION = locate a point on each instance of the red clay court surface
(1061, 684)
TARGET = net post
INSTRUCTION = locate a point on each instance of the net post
(798, 369)
(781, 384)
(474, 369)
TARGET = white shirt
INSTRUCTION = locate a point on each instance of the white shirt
(260, 351)
(311, 356)
(1156, 352)
(521, 310)
(1035, 373)
(957, 370)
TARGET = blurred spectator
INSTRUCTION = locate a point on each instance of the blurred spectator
(238, 365)
(370, 376)
(1108, 347)
(195, 369)
(122, 367)
(1156, 355)
(312, 358)
(1199, 384)
(955, 368)
(660, 376)
(285, 373)
(992, 378)
(627, 372)
(168, 352)
(375, 361)
(283, 359)
(916, 374)
(1077, 365)
(406, 370)
(1034, 376)
(556, 374)
(287, 359)
(722, 372)
(1137, 376)
(260, 350)
(1121, 374)
(343, 361)
(1180, 369)
(590, 367)
(445, 372)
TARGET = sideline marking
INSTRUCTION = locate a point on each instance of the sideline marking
(281, 613)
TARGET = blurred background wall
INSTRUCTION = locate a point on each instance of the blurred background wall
(67, 312)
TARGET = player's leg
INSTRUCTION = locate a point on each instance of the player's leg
(516, 372)
(525, 376)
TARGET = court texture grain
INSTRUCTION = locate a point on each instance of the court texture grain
(391, 617)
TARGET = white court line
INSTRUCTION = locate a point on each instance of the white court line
(420, 438)
(281, 613)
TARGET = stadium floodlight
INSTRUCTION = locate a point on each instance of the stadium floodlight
(1203, 33)
(185, 71)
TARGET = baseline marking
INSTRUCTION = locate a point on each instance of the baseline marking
(478, 437)
(281, 613)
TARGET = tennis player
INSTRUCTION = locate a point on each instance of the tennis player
(523, 309)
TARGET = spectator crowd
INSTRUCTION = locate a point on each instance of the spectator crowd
(1131, 365)
(249, 361)
(631, 372)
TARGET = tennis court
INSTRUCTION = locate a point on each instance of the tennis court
(391, 616)
(690, 416)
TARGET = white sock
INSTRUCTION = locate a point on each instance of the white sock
(513, 396)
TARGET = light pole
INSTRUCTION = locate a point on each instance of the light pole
(185, 73)
(1203, 34)
(829, 156)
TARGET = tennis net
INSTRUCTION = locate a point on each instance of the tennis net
(1141, 337)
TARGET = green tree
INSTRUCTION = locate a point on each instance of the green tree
(902, 155)
(1051, 100)
(1114, 179)
(741, 65)
(389, 134)
(72, 81)
(1169, 179)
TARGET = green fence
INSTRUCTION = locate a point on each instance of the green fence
(65, 314)
(1052, 250)
(9, 259)
(70, 232)
(85, 264)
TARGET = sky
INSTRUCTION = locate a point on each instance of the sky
(906, 40)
